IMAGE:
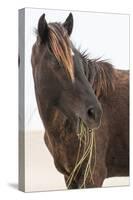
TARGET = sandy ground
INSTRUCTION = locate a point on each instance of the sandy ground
(41, 174)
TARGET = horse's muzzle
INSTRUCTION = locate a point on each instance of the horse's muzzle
(93, 116)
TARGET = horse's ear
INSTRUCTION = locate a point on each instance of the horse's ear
(68, 24)
(43, 29)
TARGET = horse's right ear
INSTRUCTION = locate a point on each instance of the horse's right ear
(43, 29)
(68, 24)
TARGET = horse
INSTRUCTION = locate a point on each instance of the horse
(84, 106)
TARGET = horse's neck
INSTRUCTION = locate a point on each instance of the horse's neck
(101, 76)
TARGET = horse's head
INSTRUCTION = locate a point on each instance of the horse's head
(59, 76)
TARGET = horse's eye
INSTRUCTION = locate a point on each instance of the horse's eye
(57, 67)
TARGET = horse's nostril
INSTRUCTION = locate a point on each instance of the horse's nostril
(91, 113)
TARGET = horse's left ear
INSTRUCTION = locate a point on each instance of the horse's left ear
(43, 29)
(68, 24)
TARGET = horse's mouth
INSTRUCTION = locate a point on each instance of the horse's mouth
(83, 129)
(86, 152)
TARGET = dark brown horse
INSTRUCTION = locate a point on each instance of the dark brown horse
(77, 97)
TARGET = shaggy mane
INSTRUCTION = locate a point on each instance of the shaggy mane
(60, 46)
(101, 75)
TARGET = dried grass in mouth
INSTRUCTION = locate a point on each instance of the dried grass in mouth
(87, 138)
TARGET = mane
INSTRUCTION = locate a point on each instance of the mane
(101, 75)
(60, 46)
